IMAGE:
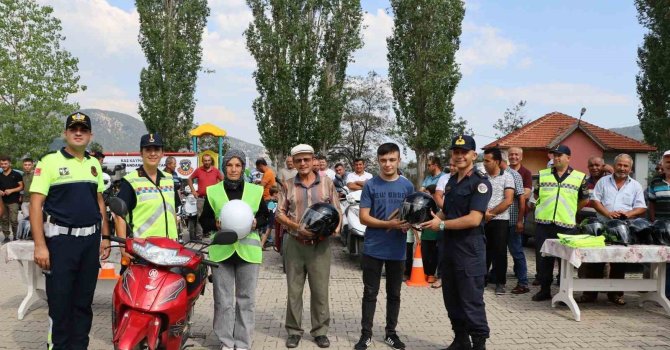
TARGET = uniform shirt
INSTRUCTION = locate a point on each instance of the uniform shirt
(583, 192)
(629, 196)
(71, 187)
(383, 198)
(353, 177)
(518, 192)
(9, 181)
(658, 193)
(295, 198)
(206, 178)
(500, 183)
(473, 192)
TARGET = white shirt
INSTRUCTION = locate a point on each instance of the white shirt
(353, 177)
(442, 182)
(329, 172)
(628, 197)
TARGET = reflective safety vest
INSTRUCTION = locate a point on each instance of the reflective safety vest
(154, 214)
(557, 202)
(249, 247)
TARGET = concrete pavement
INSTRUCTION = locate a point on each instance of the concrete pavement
(516, 322)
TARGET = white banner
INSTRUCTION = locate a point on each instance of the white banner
(186, 165)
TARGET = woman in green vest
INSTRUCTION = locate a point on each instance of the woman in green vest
(236, 277)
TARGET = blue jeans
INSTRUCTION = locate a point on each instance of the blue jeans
(515, 245)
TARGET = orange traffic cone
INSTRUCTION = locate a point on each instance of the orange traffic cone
(107, 272)
(418, 278)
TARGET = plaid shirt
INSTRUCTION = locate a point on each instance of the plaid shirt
(518, 192)
(295, 198)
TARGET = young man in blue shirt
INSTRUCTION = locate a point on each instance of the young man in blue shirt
(385, 237)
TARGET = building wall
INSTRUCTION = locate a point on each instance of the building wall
(583, 148)
(535, 160)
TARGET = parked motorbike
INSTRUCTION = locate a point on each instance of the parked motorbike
(154, 299)
(353, 232)
(187, 215)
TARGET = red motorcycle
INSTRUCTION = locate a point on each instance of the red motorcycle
(153, 300)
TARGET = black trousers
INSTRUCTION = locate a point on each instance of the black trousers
(430, 257)
(70, 287)
(409, 258)
(372, 273)
(496, 250)
(545, 265)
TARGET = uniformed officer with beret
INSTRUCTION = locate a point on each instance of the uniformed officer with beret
(466, 196)
(68, 185)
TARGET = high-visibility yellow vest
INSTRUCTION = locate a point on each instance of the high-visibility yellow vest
(248, 248)
(557, 203)
(154, 214)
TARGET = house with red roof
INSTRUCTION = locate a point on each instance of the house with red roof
(584, 139)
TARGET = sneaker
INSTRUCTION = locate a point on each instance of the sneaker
(500, 289)
(363, 343)
(394, 342)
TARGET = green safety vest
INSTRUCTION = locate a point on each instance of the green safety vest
(154, 214)
(557, 202)
(248, 248)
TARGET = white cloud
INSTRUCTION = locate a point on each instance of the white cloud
(561, 94)
(377, 27)
(484, 46)
(107, 97)
(225, 51)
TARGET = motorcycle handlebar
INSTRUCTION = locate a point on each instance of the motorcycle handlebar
(209, 263)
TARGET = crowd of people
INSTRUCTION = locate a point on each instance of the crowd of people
(482, 215)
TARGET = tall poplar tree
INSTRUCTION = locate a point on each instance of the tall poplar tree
(36, 78)
(170, 36)
(653, 81)
(424, 73)
(302, 49)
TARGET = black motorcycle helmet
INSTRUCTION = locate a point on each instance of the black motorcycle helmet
(617, 232)
(416, 208)
(321, 219)
(640, 231)
(592, 226)
(661, 232)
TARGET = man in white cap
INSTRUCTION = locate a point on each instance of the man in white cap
(306, 254)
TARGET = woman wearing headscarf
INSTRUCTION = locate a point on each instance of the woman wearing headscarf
(237, 275)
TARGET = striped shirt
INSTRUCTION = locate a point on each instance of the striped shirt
(295, 197)
(658, 193)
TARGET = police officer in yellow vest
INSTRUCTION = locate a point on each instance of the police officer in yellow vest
(236, 277)
(150, 195)
(562, 192)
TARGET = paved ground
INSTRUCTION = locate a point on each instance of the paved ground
(516, 322)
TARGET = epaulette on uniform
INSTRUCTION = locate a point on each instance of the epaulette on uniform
(481, 174)
(48, 153)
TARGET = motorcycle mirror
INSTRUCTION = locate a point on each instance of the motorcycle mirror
(118, 206)
(224, 237)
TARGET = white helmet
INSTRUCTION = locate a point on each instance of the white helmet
(237, 216)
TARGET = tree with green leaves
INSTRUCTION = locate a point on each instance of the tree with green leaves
(653, 81)
(366, 121)
(424, 73)
(36, 78)
(170, 36)
(302, 49)
(512, 120)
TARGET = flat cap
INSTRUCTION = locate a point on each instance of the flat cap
(302, 148)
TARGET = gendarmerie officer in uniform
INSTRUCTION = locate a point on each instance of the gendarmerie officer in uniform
(466, 196)
(149, 195)
(68, 185)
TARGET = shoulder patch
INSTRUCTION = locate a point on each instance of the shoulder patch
(482, 188)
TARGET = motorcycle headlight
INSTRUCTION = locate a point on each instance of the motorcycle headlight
(158, 255)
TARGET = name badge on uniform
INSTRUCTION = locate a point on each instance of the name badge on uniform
(482, 188)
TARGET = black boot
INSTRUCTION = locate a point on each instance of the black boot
(461, 342)
(479, 342)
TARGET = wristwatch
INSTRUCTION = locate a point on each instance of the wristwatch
(441, 226)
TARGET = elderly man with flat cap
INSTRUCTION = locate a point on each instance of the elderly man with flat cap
(561, 193)
(306, 255)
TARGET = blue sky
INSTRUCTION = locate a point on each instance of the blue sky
(557, 55)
